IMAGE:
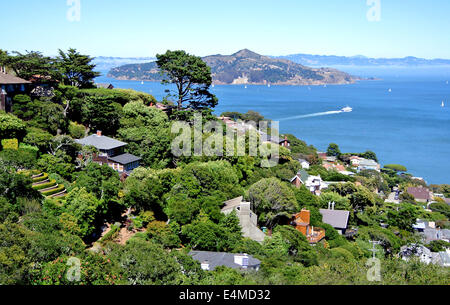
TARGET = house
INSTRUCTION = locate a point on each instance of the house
(301, 221)
(105, 86)
(414, 250)
(280, 141)
(429, 231)
(367, 164)
(305, 164)
(111, 152)
(9, 87)
(247, 219)
(211, 260)
(421, 194)
(336, 218)
(425, 255)
(315, 184)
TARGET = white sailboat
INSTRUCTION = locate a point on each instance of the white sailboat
(142, 82)
(245, 87)
(390, 90)
(443, 104)
(268, 85)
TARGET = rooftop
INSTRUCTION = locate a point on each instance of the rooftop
(8, 79)
(335, 218)
(216, 259)
(419, 193)
(125, 159)
(101, 142)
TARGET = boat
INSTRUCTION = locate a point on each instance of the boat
(390, 90)
(245, 87)
(142, 82)
(443, 104)
(347, 109)
(268, 85)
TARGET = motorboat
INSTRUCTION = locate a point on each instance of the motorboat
(347, 109)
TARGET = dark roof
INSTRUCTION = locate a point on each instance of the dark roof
(419, 193)
(302, 175)
(101, 142)
(105, 86)
(216, 259)
(335, 218)
(8, 79)
(125, 159)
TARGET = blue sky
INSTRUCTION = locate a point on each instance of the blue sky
(204, 27)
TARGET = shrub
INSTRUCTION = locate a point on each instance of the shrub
(10, 144)
(77, 131)
(45, 185)
(113, 233)
(42, 178)
(396, 167)
(57, 190)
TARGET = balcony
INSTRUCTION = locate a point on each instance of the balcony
(316, 235)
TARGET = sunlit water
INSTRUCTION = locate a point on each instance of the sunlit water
(399, 117)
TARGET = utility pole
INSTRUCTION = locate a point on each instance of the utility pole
(374, 250)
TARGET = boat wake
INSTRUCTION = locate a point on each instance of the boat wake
(311, 115)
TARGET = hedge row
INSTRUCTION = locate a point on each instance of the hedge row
(40, 179)
(57, 190)
(45, 185)
(111, 234)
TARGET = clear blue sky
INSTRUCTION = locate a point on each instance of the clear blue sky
(204, 27)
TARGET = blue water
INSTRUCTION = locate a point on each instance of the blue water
(407, 126)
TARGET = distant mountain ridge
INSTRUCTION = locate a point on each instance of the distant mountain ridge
(360, 60)
(104, 63)
(246, 67)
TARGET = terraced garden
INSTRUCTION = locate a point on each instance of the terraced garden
(48, 187)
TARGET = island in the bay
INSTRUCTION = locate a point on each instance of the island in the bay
(246, 67)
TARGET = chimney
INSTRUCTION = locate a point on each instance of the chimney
(99, 133)
(205, 266)
(285, 141)
(241, 260)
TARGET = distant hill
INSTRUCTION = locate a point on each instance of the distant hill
(246, 67)
(107, 63)
(359, 60)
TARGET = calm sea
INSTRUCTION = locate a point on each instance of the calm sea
(399, 117)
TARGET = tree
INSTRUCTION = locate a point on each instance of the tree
(84, 207)
(101, 113)
(146, 130)
(11, 127)
(77, 69)
(144, 263)
(333, 150)
(396, 167)
(191, 76)
(33, 63)
(370, 155)
(100, 180)
(342, 203)
(273, 200)
(143, 191)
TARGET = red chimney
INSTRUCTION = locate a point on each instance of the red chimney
(99, 133)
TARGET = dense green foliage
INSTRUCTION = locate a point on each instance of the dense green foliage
(139, 230)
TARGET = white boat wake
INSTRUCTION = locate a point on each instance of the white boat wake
(311, 115)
